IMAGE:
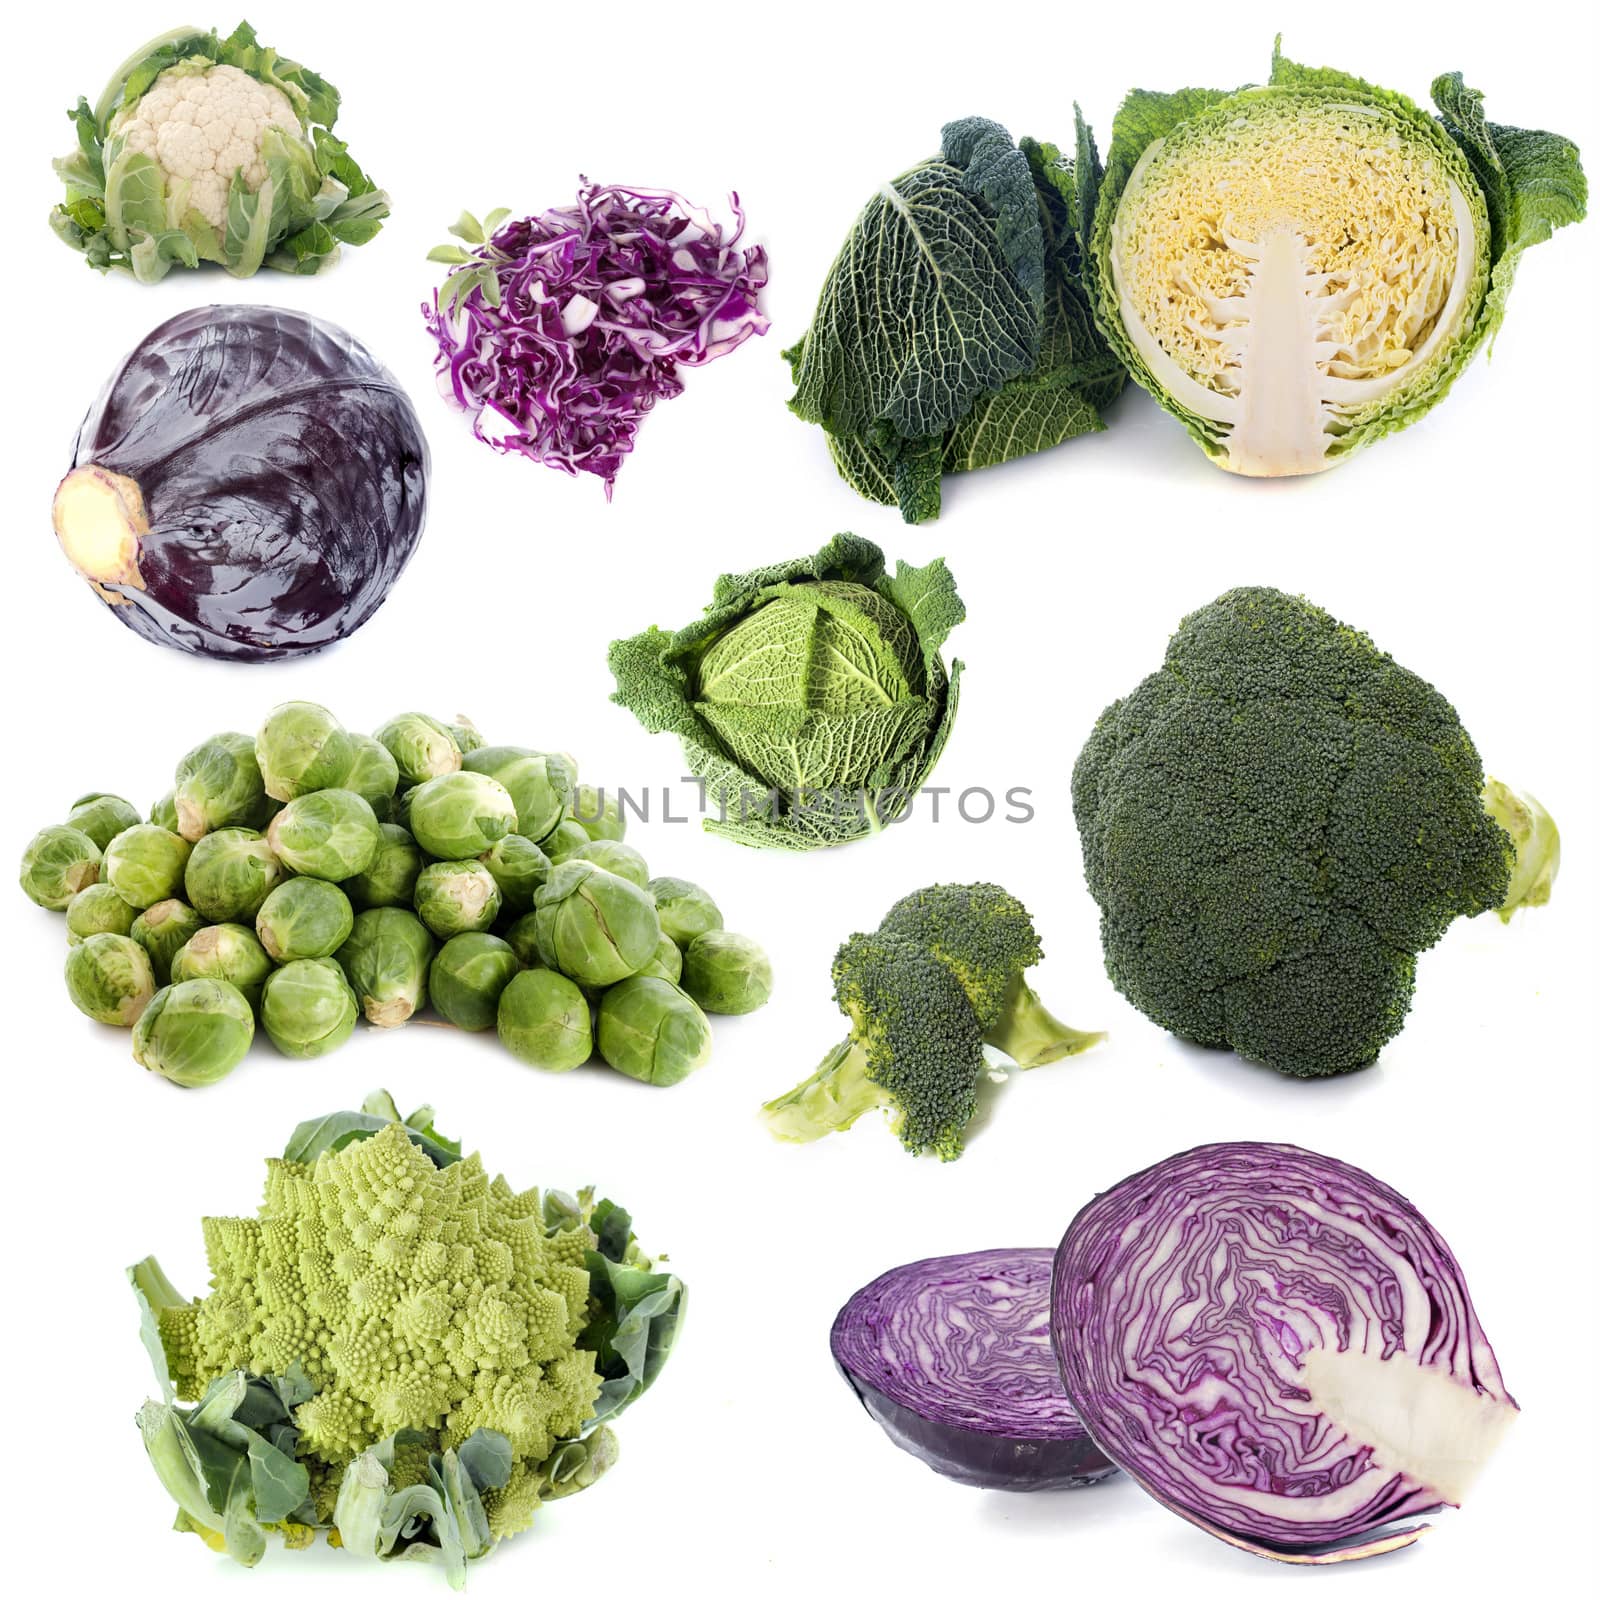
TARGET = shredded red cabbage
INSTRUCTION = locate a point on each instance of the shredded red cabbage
(599, 304)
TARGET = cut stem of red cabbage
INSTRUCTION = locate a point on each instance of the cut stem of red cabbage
(1279, 1348)
(952, 1357)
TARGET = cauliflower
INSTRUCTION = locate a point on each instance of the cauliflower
(202, 126)
(204, 148)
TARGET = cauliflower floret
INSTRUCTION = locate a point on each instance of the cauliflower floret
(202, 127)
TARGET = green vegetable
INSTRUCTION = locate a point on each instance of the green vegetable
(597, 812)
(1534, 837)
(58, 863)
(373, 775)
(666, 963)
(523, 937)
(593, 926)
(102, 817)
(110, 979)
(540, 785)
(98, 909)
(301, 748)
(194, 1033)
(1298, 270)
(307, 1008)
(613, 856)
(229, 953)
(164, 813)
(143, 194)
(810, 699)
(1274, 825)
(457, 897)
(460, 814)
(941, 978)
(518, 867)
(218, 785)
(565, 840)
(651, 1030)
(385, 961)
(955, 329)
(390, 878)
(543, 1020)
(514, 1328)
(331, 834)
(145, 863)
(422, 747)
(230, 873)
(162, 930)
(468, 976)
(303, 919)
(685, 909)
(727, 973)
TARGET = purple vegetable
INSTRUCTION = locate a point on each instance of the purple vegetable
(1279, 1348)
(952, 1357)
(249, 484)
(563, 330)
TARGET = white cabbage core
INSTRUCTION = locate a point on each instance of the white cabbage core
(1282, 271)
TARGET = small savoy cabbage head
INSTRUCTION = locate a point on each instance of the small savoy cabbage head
(1296, 270)
(810, 698)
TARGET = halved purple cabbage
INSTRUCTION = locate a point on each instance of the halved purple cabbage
(1279, 1348)
(952, 1357)
(561, 331)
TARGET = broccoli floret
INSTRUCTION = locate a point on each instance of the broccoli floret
(985, 937)
(942, 977)
(1274, 825)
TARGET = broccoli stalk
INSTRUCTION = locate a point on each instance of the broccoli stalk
(829, 1101)
(1536, 840)
(1030, 1033)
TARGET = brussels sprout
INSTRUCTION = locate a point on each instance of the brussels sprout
(373, 775)
(727, 973)
(195, 1032)
(594, 926)
(145, 863)
(597, 812)
(459, 815)
(651, 1030)
(303, 919)
(163, 930)
(110, 979)
(540, 785)
(307, 1008)
(465, 733)
(228, 952)
(102, 817)
(400, 811)
(391, 876)
(518, 867)
(98, 909)
(385, 961)
(302, 747)
(230, 873)
(164, 813)
(523, 937)
(617, 857)
(685, 909)
(565, 842)
(58, 863)
(330, 834)
(457, 897)
(468, 976)
(218, 785)
(543, 1020)
(422, 747)
(666, 963)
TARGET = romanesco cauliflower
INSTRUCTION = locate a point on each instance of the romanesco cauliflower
(394, 1323)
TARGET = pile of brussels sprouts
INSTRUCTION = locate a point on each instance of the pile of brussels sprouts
(309, 876)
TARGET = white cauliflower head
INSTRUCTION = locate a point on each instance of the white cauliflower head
(203, 126)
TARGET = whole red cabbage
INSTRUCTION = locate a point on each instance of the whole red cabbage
(577, 321)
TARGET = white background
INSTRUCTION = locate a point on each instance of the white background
(1464, 546)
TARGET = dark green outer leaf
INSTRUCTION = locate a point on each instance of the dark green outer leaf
(334, 1131)
(631, 1331)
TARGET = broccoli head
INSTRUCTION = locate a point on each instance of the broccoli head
(942, 977)
(1274, 825)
